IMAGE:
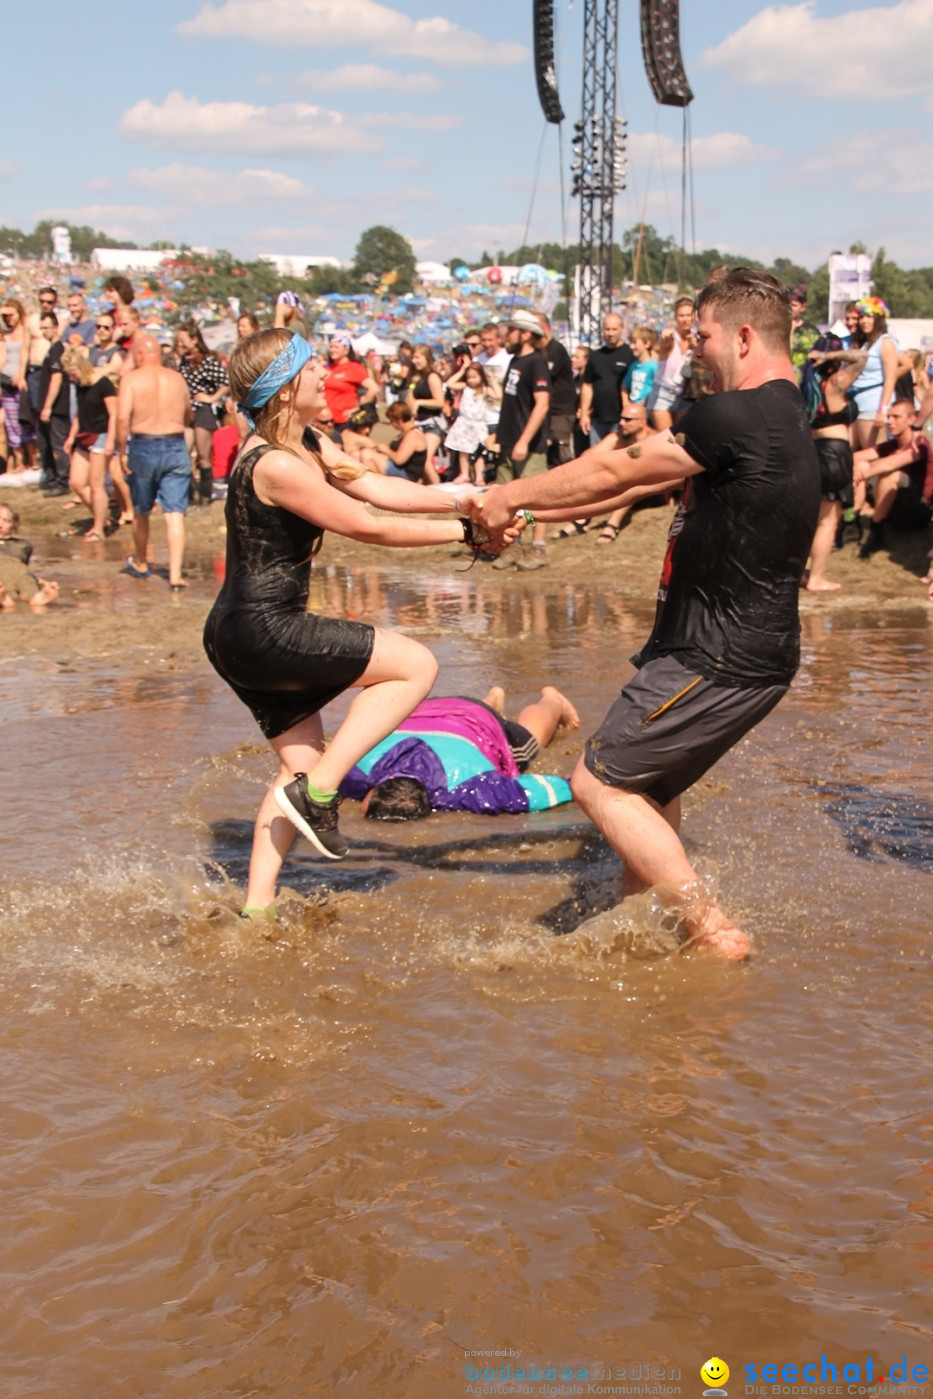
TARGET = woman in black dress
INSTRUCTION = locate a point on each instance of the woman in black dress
(287, 487)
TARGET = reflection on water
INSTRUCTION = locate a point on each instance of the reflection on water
(431, 1111)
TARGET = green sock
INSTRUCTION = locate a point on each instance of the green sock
(322, 798)
(259, 915)
(848, 515)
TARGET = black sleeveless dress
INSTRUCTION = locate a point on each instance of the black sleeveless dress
(282, 661)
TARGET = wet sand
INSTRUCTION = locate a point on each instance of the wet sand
(427, 1115)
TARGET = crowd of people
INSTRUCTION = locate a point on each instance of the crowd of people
(507, 400)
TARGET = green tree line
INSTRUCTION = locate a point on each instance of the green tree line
(642, 254)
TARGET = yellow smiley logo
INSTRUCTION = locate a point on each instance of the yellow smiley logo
(715, 1372)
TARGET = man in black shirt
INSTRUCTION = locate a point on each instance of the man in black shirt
(726, 639)
(601, 391)
(523, 425)
(54, 411)
(563, 410)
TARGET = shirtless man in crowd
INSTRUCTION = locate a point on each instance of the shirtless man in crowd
(153, 410)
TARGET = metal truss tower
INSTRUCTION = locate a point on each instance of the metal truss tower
(598, 166)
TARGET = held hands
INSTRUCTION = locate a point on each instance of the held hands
(483, 538)
(490, 513)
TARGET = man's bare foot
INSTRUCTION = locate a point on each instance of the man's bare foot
(71, 504)
(176, 584)
(496, 699)
(126, 518)
(711, 931)
(6, 602)
(569, 718)
(820, 585)
(48, 592)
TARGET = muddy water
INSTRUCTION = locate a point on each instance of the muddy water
(427, 1117)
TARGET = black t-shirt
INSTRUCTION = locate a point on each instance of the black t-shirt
(605, 370)
(52, 364)
(727, 603)
(563, 393)
(525, 376)
(92, 408)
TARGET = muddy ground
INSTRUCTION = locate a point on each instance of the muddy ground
(98, 612)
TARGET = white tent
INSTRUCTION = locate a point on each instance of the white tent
(369, 342)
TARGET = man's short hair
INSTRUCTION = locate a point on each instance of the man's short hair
(904, 403)
(398, 799)
(48, 316)
(746, 296)
(47, 291)
(490, 325)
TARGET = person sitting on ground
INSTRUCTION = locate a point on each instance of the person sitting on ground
(633, 427)
(90, 439)
(405, 456)
(17, 584)
(461, 754)
(902, 470)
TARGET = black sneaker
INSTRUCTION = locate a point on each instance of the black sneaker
(316, 821)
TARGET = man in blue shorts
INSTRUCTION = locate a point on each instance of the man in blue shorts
(153, 410)
(726, 639)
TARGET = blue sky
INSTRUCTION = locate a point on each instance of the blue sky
(291, 125)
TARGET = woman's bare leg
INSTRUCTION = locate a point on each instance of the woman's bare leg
(821, 548)
(122, 489)
(79, 477)
(399, 675)
(97, 492)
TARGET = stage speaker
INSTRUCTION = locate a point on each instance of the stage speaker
(545, 76)
(660, 42)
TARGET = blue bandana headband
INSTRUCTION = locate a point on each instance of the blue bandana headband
(286, 366)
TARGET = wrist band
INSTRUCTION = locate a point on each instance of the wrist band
(528, 517)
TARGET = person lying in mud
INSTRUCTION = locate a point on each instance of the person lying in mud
(462, 754)
(17, 584)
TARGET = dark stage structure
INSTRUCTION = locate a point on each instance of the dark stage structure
(599, 163)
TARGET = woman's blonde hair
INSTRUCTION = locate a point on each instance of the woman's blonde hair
(248, 358)
(76, 361)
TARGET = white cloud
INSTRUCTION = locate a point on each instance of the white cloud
(290, 129)
(406, 164)
(866, 55)
(896, 161)
(195, 185)
(721, 151)
(131, 221)
(364, 77)
(407, 121)
(10, 167)
(321, 23)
